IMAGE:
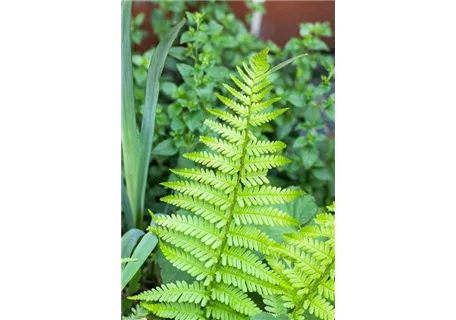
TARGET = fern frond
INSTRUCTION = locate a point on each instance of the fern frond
(248, 262)
(236, 107)
(327, 289)
(244, 99)
(263, 147)
(275, 304)
(202, 192)
(217, 242)
(254, 178)
(227, 132)
(221, 311)
(264, 162)
(238, 122)
(247, 78)
(176, 310)
(260, 106)
(194, 227)
(244, 281)
(235, 298)
(250, 238)
(262, 118)
(195, 247)
(185, 261)
(214, 160)
(320, 307)
(207, 211)
(257, 97)
(261, 86)
(180, 291)
(268, 216)
(223, 147)
(265, 195)
(218, 180)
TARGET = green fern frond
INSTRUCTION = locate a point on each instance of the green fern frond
(194, 227)
(264, 162)
(320, 307)
(235, 298)
(228, 199)
(275, 305)
(265, 195)
(214, 160)
(307, 263)
(223, 147)
(185, 261)
(267, 216)
(262, 118)
(263, 147)
(250, 238)
(221, 311)
(227, 132)
(176, 310)
(207, 211)
(217, 179)
(180, 291)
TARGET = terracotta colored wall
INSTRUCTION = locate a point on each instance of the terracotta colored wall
(280, 22)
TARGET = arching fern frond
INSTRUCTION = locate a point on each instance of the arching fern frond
(307, 263)
(229, 198)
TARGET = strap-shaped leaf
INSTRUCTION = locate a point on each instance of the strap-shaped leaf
(268, 216)
(246, 282)
(247, 90)
(250, 238)
(247, 79)
(259, 96)
(260, 106)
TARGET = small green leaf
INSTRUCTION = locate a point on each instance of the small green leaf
(213, 27)
(184, 69)
(309, 155)
(169, 88)
(323, 174)
(177, 52)
(165, 148)
(186, 37)
(299, 142)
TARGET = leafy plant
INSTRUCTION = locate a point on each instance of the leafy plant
(216, 241)
(137, 144)
(306, 262)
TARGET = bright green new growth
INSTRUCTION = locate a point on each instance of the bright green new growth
(228, 198)
(307, 263)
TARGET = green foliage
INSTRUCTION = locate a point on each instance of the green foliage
(216, 243)
(306, 262)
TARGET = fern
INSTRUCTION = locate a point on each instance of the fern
(307, 263)
(217, 244)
